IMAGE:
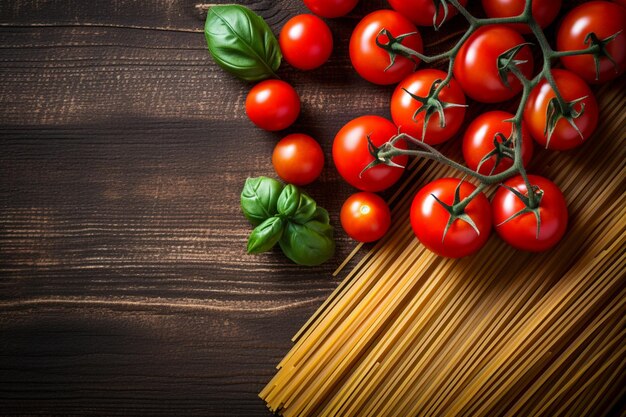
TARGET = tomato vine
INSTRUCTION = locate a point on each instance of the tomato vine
(558, 107)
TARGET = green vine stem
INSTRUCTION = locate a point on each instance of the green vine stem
(393, 46)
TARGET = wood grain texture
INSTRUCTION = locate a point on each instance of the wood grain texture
(124, 284)
(125, 288)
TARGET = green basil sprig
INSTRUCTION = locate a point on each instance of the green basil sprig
(241, 42)
(287, 216)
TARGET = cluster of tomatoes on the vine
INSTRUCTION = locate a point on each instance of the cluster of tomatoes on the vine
(306, 43)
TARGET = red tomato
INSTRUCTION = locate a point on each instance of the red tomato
(429, 219)
(331, 8)
(476, 69)
(422, 12)
(351, 153)
(273, 105)
(298, 159)
(365, 217)
(544, 11)
(604, 19)
(478, 142)
(521, 232)
(371, 61)
(403, 107)
(564, 136)
(306, 41)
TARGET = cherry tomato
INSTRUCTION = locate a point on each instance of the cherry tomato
(403, 107)
(351, 154)
(331, 8)
(306, 41)
(422, 12)
(365, 217)
(298, 159)
(564, 136)
(371, 61)
(479, 137)
(544, 11)
(476, 65)
(521, 231)
(273, 105)
(429, 219)
(604, 19)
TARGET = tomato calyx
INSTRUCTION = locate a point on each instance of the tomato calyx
(599, 51)
(431, 104)
(376, 152)
(393, 46)
(444, 6)
(456, 211)
(531, 204)
(503, 148)
(556, 112)
(508, 64)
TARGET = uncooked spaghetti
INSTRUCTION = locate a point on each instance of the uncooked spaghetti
(503, 332)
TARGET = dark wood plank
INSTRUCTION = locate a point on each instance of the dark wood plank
(126, 289)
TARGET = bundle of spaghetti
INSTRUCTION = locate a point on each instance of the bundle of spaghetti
(500, 333)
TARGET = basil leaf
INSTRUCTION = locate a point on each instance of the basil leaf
(321, 215)
(266, 235)
(259, 198)
(241, 42)
(307, 209)
(289, 200)
(308, 244)
(321, 228)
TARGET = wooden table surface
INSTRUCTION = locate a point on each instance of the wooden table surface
(125, 288)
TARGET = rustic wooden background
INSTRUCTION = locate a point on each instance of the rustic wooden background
(124, 284)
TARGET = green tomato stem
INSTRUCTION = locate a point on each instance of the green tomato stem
(385, 153)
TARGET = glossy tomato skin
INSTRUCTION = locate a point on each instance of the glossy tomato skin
(544, 11)
(331, 8)
(365, 217)
(478, 142)
(351, 154)
(521, 232)
(604, 19)
(273, 105)
(429, 219)
(476, 70)
(422, 12)
(306, 42)
(369, 60)
(564, 136)
(298, 159)
(403, 107)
